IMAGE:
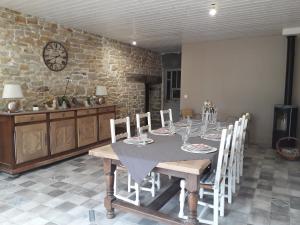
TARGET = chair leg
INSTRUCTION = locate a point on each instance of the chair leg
(181, 199)
(229, 190)
(115, 183)
(137, 194)
(201, 193)
(238, 169)
(242, 163)
(129, 183)
(233, 178)
(222, 198)
(158, 181)
(153, 184)
(216, 207)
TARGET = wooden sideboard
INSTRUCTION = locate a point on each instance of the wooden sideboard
(32, 139)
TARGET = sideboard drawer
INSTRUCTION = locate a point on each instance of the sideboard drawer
(61, 115)
(30, 118)
(86, 112)
(107, 109)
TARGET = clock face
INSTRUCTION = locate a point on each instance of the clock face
(55, 56)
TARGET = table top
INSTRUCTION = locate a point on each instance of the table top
(190, 166)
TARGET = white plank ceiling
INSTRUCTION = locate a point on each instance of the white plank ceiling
(163, 25)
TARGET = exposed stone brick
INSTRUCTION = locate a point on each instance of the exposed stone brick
(32, 20)
(92, 60)
(20, 19)
(24, 67)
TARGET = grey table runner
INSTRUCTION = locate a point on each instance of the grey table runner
(140, 160)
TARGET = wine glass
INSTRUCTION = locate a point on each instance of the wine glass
(203, 128)
(171, 127)
(144, 137)
(186, 134)
(139, 133)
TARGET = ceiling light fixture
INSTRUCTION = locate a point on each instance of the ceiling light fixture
(134, 43)
(213, 10)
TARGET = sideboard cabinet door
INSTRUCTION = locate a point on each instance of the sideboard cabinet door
(104, 126)
(30, 142)
(87, 130)
(62, 136)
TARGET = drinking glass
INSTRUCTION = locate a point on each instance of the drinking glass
(144, 137)
(171, 127)
(203, 129)
(186, 134)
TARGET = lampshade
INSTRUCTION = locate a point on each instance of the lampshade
(12, 91)
(101, 91)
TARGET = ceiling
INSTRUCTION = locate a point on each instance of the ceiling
(163, 25)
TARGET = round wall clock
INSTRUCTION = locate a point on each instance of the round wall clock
(55, 56)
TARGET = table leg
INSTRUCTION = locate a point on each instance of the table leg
(192, 186)
(109, 171)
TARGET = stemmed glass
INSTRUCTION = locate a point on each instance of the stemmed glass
(203, 128)
(186, 134)
(142, 136)
(171, 127)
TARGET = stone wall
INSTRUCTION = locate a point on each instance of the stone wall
(93, 60)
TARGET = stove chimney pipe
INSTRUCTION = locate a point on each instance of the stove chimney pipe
(289, 70)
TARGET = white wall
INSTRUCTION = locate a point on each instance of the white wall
(241, 75)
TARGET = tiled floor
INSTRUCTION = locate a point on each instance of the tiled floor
(65, 193)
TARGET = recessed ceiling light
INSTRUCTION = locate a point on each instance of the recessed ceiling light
(134, 43)
(213, 10)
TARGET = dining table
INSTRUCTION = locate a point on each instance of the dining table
(171, 161)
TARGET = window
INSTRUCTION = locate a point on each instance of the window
(173, 83)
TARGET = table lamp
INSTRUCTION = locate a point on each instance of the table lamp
(101, 91)
(12, 91)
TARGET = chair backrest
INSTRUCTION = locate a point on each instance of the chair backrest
(246, 119)
(187, 113)
(162, 116)
(239, 138)
(223, 155)
(138, 121)
(235, 136)
(248, 116)
(113, 123)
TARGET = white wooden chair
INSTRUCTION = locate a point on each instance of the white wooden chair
(247, 138)
(140, 116)
(245, 117)
(114, 138)
(231, 170)
(238, 151)
(162, 116)
(153, 178)
(214, 181)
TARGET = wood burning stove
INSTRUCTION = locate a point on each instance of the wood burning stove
(285, 123)
(285, 116)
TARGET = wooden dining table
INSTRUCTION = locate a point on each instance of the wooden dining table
(190, 170)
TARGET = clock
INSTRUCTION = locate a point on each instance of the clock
(55, 56)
